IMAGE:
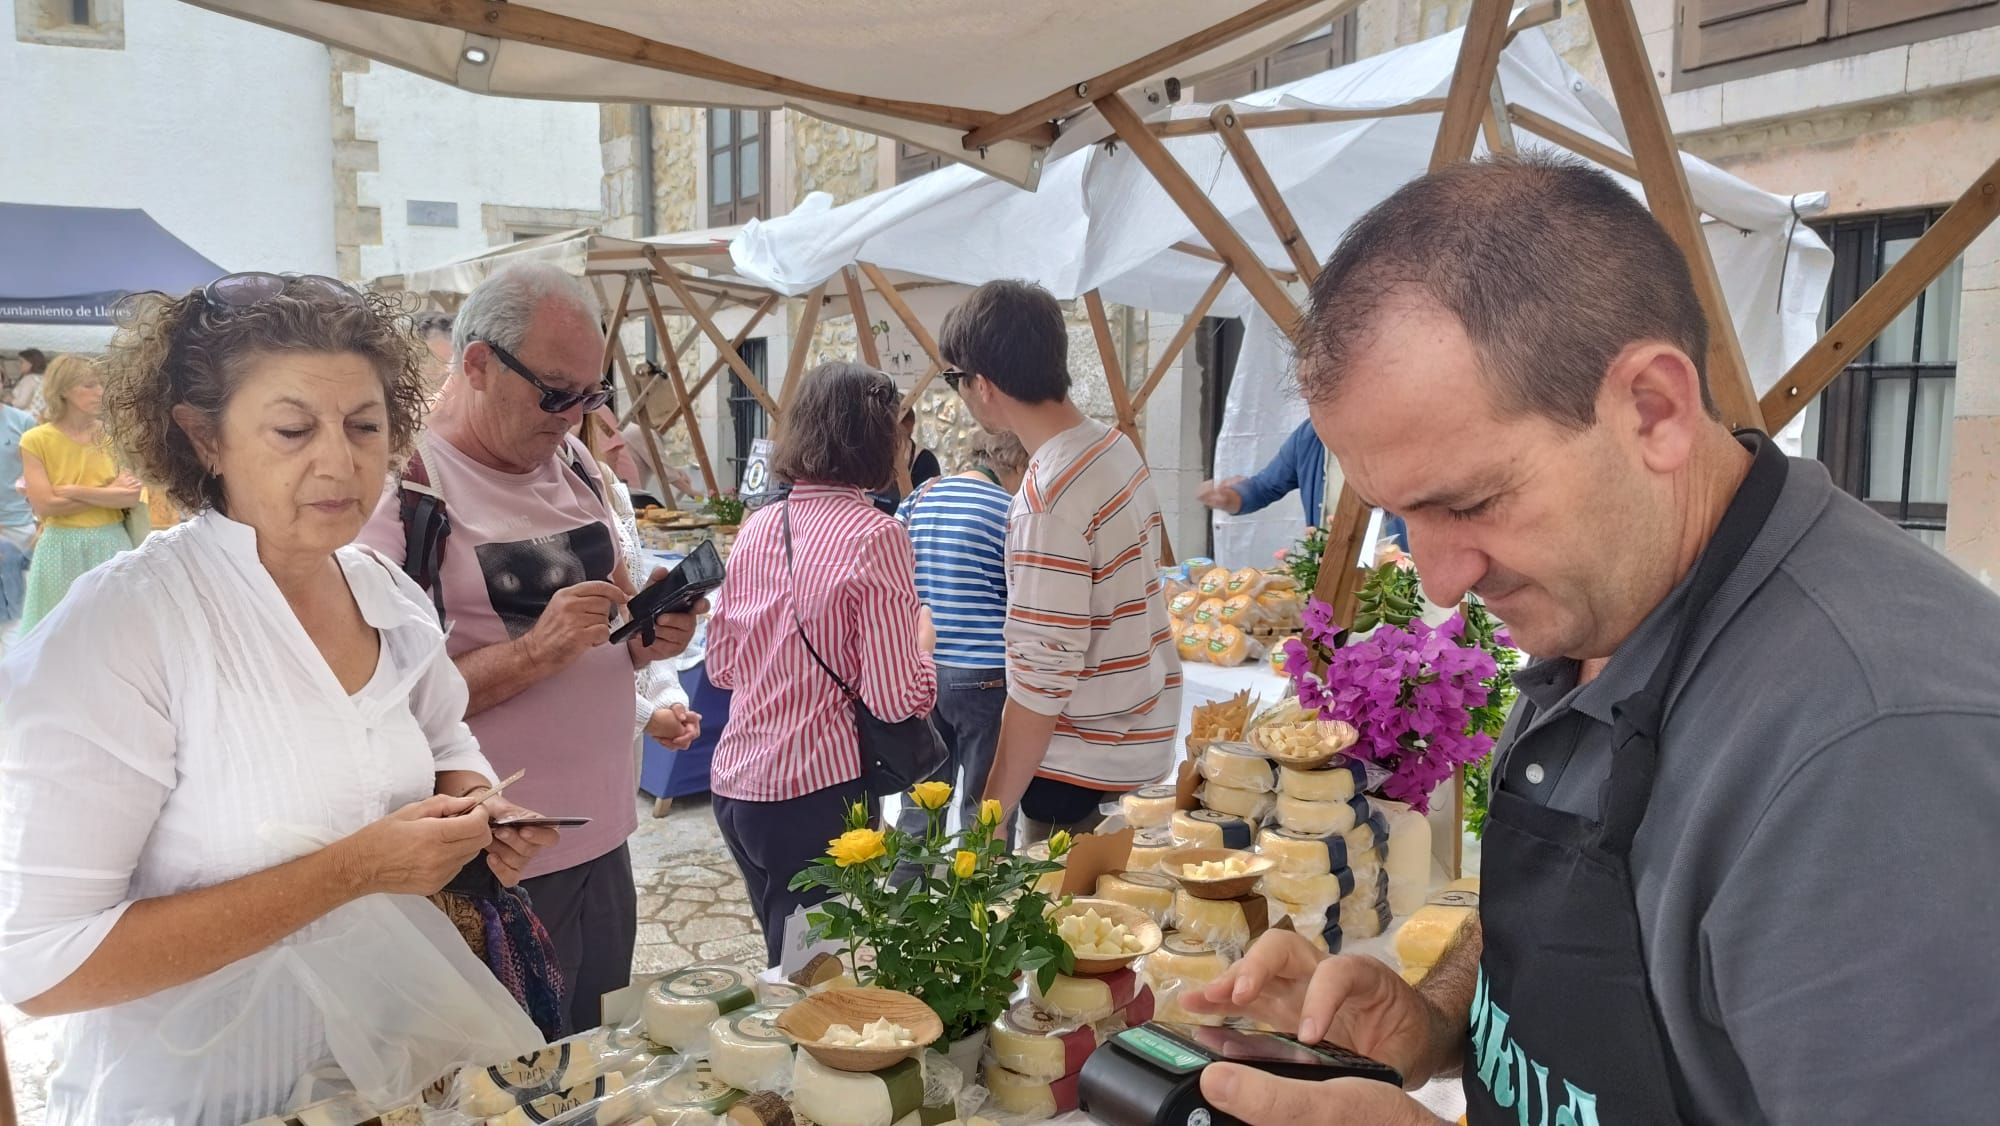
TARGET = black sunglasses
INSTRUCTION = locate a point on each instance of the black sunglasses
(953, 376)
(555, 400)
(254, 287)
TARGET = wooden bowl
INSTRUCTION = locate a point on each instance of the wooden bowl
(1131, 918)
(806, 1021)
(1233, 887)
(1335, 737)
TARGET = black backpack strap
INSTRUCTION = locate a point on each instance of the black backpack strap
(425, 528)
(576, 466)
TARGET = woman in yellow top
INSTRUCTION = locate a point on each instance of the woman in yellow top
(73, 486)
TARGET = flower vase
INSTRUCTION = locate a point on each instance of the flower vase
(965, 1055)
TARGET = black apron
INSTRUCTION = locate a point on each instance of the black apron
(1564, 1030)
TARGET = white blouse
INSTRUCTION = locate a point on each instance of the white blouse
(169, 727)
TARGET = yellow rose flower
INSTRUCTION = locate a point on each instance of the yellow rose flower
(989, 811)
(964, 863)
(856, 846)
(1058, 843)
(931, 795)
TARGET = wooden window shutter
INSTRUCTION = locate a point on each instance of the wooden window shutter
(1850, 17)
(1720, 31)
(1302, 60)
(913, 161)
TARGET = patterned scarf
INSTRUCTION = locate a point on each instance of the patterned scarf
(500, 925)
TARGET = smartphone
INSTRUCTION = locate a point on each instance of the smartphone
(539, 822)
(1151, 1075)
(682, 588)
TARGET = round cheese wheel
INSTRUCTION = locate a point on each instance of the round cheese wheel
(1318, 817)
(680, 1006)
(1029, 1040)
(1208, 612)
(1210, 828)
(1150, 807)
(1149, 848)
(1409, 856)
(1081, 1000)
(1369, 835)
(1239, 766)
(1241, 611)
(1229, 646)
(1362, 919)
(1253, 806)
(692, 1096)
(1193, 642)
(1220, 922)
(1338, 780)
(1276, 657)
(1150, 892)
(1246, 582)
(849, 1098)
(748, 1052)
(1322, 890)
(1032, 1098)
(778, 994)
(1182, 962)
(1303, 854)
(1181, 605)
(1213, 583)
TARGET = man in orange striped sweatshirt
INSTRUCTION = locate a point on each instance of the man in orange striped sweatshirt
(1093, 683)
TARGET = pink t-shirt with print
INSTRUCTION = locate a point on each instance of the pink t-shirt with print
(516, 539)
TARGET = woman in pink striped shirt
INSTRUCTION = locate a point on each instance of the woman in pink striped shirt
(789, 762)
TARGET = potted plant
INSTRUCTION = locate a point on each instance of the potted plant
(727, 508)
(957, 932)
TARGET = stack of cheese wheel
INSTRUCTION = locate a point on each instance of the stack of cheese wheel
(1309, 854)
(1183, 962)
(1208, 828)
(1239, 780)
(830, 1097)
(1322, 818)
(748, 1051)
(1221, 922)
(1427, 934)
(681, 1006)
(1331, 886)
(1151, 892)
(1149, 807)
(1338, 780)
(1036, 1049)
(1409, 856)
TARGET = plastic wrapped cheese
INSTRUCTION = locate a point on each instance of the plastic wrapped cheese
(1149, 807)
(489, 1091)
(1084, 999)
(1322, 890)
(1220, 922)
(1338, 780)
(546, 1107)
(1150, 892)
(1213, 582)
(1305, 854)
(1031, 1041)
(1229, 646)
(1409, 856)
(848, 1098)
(1362, 919)
(1192, 643)
(748, 1052)
(691, 1096)
(1320, 817)
(1182, 962)
(1211, 828)
(345, 1110)
(779, 994)
(680, 1007)
(1031, 1098)
(1428, 933)
(1208, 612)
(1182, 605)
(1149, 848)
(1241, 611)
(1253, 806)
(1318, 923)
(1246, 582)
(1239, 766)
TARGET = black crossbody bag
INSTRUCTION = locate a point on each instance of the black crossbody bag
(894, 756)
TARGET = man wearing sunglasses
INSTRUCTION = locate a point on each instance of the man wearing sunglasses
(502, 516)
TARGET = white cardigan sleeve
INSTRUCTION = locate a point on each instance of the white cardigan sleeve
(87, 760)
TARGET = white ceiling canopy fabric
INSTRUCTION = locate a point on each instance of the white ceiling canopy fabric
(929, 72)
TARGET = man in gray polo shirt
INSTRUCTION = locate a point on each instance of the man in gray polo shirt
(1745, 817)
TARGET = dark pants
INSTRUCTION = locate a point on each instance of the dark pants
(1049, 805)
(592, 915)
(773, 841)
(967, 718)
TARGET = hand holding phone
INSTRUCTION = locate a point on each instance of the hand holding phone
(678, 593)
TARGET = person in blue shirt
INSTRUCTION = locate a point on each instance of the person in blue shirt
(17, 520)
(1300, 466)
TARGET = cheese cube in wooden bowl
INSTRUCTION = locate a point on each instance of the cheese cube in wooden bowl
(1105, 935)
(861, 1029)
(1216, 873)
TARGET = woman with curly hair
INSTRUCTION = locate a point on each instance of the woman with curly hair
(73, 486)
(229, 745)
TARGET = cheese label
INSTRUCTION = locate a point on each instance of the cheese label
(1235, 830)
(697, 1088)
(1149, 879)
(1159, 836)
(1031, 1019)
(1153, 793)
(549, 1106)
(728, 989)
(1454, 899)
(779, 993)
(535, 1071)
(758, 1025)
(1178, 942)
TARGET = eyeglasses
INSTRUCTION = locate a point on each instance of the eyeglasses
(254, 287)
(952, 377)
(555, 400)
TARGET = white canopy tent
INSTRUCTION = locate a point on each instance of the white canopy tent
(1101, 223)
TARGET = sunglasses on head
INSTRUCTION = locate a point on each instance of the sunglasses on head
(555, 400)
(254, 287)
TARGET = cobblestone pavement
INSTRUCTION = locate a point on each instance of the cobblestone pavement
(692, 908)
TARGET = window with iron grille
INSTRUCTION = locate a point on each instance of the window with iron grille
(747, 418)
(739, 166)
(1883, 426)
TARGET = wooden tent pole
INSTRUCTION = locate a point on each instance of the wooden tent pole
(673, 365)
(1651, 139)
(1202, 212)
(1472, 81)
(680, 349)
(916, 328)
(715, 369)
(864, 329)
(1122, 403)
(614, 323)
(1189, 325)
(1275, 118)
(801, 348)
(1551, 130)
(1228, 127)
(1947, 238)
(672, 277)
(624, 365)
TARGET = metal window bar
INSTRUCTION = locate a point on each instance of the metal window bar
(80, 14)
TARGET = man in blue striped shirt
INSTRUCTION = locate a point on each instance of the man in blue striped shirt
(958, 526)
